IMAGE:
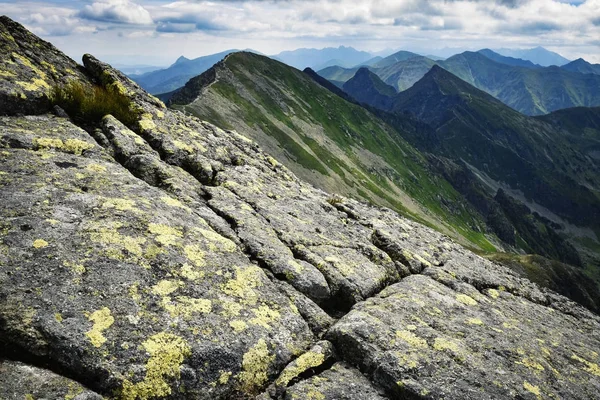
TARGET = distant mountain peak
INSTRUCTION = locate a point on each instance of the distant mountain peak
(181, 59)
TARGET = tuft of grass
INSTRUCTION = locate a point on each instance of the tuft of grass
(335, 199)
(90, 103)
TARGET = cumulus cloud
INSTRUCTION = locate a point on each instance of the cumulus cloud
(116, 11)
(565, 26)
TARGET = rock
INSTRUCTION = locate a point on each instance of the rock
(420, 338)
(29, 68)
(341, 382)
(20, 381)
(123, 285)
(317, 357)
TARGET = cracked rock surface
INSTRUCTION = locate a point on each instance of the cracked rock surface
(173, 259)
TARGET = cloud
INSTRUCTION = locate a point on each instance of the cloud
(116, 11)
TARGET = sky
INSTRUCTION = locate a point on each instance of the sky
(157, 32)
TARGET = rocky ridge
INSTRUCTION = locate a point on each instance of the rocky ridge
(173, 259)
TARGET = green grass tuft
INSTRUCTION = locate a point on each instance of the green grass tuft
(90, 103)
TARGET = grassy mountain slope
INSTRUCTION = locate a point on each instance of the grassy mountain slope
(336, 145)
(174, 77)
(527, 88)
(530, 91)
(394, 58)
(530, 156)
(337, 73)
(366, 87)
(582, 66)
(404, 74)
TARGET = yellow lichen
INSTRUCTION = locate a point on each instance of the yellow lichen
(474, 321)
(195, 254)
(167, 235)
(224, 377)
(102, 320)
(166, 287)
(531, 364)
(531, 388)
(58, 317)
(445, 344)
(76, 268)
(119, 204)
(167, 352)
(40, 243)
(183, 146)
(238, 325)
(411, 339)
(493, 293)
(264, 315)
(28, 63)
(110, 235)
(35, 84)
(306, 361)
(152, 251)
(77, 146)
(191, 273)
(186, 306)
(134, 292)
(468, 300)
(590, 367)
(147, 124)
(242, 286)
(314, 395)
(172, 202)
(220, 243)
(95, 168)
(74, 146)
(255, 367)
(231, 309)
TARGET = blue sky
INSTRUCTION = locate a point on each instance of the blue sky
(159, 31)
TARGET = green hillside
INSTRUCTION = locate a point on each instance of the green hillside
(338, 146)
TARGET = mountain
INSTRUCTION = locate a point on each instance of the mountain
(582, 66)
(334, 144)
(515, 62)
(369, 62)
(167, 258)
(519, 84)
(321, 58)
(174, 77)
(394, 58)
(338, 75)
(530, 91)
(545, 171)
(404, 74)
(505, 146)
(581, 127)
(537, 55)
(366, 87)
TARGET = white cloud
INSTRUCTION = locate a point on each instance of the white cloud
(117, 11)
(570, 28)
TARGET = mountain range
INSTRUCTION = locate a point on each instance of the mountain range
(537, 55)
(171, 78)
(525, 180)
(530, 89)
